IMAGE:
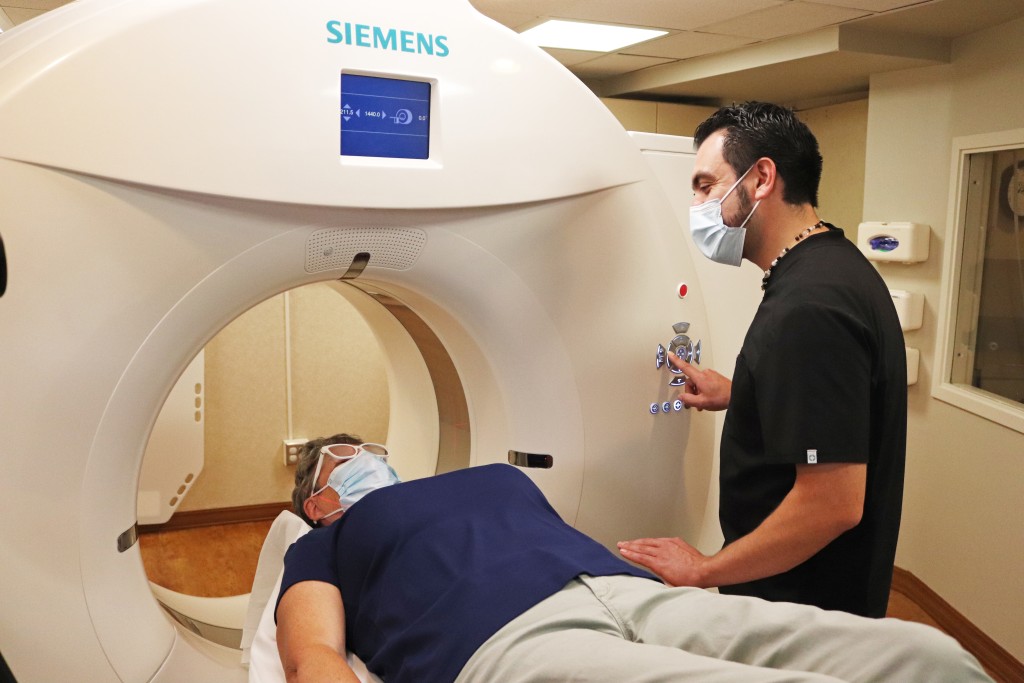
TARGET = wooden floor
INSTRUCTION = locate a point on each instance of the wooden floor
(211, 562)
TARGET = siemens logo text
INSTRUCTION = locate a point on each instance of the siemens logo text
(364, 35)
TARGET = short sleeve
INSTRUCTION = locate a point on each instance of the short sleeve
(310, 558)
(813, 388)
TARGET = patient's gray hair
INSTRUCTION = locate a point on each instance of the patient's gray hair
(306, 465)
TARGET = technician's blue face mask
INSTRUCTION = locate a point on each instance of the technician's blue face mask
(358, 476)
(713, 237)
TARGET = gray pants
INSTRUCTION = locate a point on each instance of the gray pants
(623, 629)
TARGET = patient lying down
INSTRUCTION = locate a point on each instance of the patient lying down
(472, 576)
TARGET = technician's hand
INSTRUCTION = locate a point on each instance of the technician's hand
(674, 560)
(704, 389)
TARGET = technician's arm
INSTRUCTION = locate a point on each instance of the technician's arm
(825, 501)
(311, 634)
(704, 389)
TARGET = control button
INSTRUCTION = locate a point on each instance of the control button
(681, 328)
(666, 407)
(683, 289)
(696, 353)
(677, 405)
(655, 408)
(677, 382)
(678, 347)
(659, 357)
(684, 351)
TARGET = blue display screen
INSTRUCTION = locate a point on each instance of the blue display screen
(384, 117)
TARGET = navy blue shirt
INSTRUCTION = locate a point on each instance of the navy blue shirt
(430, 569)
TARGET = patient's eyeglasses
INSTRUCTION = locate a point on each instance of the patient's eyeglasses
(343, 452)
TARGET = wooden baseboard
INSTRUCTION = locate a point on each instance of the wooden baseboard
(1000, 664)
(192, 519)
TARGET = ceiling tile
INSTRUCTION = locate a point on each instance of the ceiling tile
(695, 13)
(670, 14)
(535, 7)
(614, 65)
(517, 21)
(688, 44)
(516, 16)
(947, 19)
(20, 16)
(571, 57)
(789, 19)
(872, 5)
(42, 5)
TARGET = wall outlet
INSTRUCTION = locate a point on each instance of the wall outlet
(292, 450)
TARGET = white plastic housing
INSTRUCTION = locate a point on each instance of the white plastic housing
(913, 361)
(901, 242)
(909, 307)
(168, 164)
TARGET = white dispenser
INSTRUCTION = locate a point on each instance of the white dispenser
(913, 360)
(894, 241)
(909, 308)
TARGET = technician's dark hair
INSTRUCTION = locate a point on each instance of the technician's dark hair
(760, 129)
(307, 464)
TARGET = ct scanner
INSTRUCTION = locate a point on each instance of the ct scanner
(167, 164)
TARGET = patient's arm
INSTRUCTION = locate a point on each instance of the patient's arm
(311, 634)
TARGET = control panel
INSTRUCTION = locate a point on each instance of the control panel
(683, 347)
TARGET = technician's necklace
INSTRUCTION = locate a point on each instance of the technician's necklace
(805, 233)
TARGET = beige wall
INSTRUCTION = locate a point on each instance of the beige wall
(963, 525)
(657, 117)
(338, 383)
(841, 130)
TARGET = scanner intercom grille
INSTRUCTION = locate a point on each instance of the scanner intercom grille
(334, 249)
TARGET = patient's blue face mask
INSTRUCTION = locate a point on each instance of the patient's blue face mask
(713, 237)
(364, 469)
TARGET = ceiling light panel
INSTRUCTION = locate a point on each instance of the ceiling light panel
(577, 35)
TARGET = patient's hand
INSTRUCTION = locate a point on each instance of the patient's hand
(674, 560)
(704, 389)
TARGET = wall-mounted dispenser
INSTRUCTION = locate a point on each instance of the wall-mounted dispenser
(894, 241)
(909, 308)
(913, 360)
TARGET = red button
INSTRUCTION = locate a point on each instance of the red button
(682, 290)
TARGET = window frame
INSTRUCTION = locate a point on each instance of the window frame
(983, 403)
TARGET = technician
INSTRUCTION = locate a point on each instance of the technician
(814, 440)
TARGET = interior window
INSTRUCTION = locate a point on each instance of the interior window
(988, 353)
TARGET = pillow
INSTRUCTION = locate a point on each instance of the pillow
(259, 634)
(265, 585)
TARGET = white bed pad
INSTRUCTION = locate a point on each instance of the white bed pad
(259, 634)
